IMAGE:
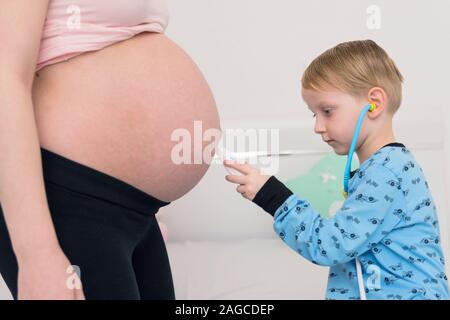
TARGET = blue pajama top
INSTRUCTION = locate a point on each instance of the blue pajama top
(388, 222)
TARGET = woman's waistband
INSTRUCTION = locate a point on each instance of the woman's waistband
(89, 181)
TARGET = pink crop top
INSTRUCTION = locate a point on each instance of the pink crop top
(76, 26)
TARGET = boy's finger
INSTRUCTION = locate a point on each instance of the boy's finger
(240, 188)
(236, 179)
(242, 168)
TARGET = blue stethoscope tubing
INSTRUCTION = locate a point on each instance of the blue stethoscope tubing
(369, 107)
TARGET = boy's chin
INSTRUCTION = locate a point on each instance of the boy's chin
(340, 150)
(340, 153)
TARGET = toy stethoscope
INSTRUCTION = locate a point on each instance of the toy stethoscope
(370, 107)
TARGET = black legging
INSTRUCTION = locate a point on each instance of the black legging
(106, 227)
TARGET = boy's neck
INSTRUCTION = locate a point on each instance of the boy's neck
(374, 143)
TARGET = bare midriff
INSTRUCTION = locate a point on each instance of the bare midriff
(115, 110)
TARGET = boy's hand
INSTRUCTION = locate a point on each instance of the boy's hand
(250, 182)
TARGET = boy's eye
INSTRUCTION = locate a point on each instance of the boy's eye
(327, 112)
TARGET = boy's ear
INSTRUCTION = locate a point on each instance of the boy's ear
(377, 96)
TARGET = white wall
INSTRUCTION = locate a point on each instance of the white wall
(253, 51)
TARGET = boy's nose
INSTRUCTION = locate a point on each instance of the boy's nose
(319, 127)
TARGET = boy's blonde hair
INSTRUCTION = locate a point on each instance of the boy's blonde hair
(355, 67)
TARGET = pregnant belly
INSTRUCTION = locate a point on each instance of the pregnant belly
(116, 110)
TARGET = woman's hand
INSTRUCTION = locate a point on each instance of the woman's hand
(48, 275)
(250, 182)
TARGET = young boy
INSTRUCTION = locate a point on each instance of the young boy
(387, 227)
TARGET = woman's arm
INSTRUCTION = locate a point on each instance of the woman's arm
(22, 192)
